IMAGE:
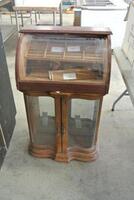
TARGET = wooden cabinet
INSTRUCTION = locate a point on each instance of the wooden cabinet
(64, 73)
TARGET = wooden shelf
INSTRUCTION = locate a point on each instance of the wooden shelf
(64, 51)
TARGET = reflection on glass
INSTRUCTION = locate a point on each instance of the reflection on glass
(82, 122)
(65, 58)
(43, 120)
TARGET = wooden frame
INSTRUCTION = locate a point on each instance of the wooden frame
(51, 83)
(61, 151)
(28, 83)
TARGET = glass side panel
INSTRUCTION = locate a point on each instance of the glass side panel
(42, 119)
(82, 122)
(64, 58)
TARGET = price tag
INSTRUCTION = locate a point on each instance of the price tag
(57, 49)
(69, 76)
(73, 48)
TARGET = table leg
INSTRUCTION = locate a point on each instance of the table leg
(3, 138)
(35, 17)
(54, 18)
(31, 17)
(11, 17)
(17, 22)
(39, 15)
(61, 15)
(115, 102)
(22, 22)
(0, 18)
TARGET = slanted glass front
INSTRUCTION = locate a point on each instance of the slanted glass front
(64, 58)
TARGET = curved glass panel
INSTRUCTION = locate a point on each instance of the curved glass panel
(64, 58)
(41, 114)
(82, 123)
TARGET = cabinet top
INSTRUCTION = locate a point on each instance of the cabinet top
(67, 29)
(66, 59)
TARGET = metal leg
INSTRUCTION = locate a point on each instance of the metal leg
(0, 18)
(3, 138)
(123, 93)
(35, 17)
(22, 22)
(31, 17)
(61, 15)
(39, 15)
(11, 18)
(17, 22)
(54, 18)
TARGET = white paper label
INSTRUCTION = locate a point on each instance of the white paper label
(73, 48)
(69, 76)
(57, 49)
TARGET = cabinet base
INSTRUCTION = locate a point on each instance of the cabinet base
(41, 151)
(72, 153)
(88, 155)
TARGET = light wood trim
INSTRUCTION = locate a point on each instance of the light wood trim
(58, 125)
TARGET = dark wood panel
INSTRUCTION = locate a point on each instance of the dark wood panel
(66, 29)
(7, 105)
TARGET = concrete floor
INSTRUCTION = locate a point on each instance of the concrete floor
(111, 177)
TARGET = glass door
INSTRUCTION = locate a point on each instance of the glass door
(42, 125)
(80, 121)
